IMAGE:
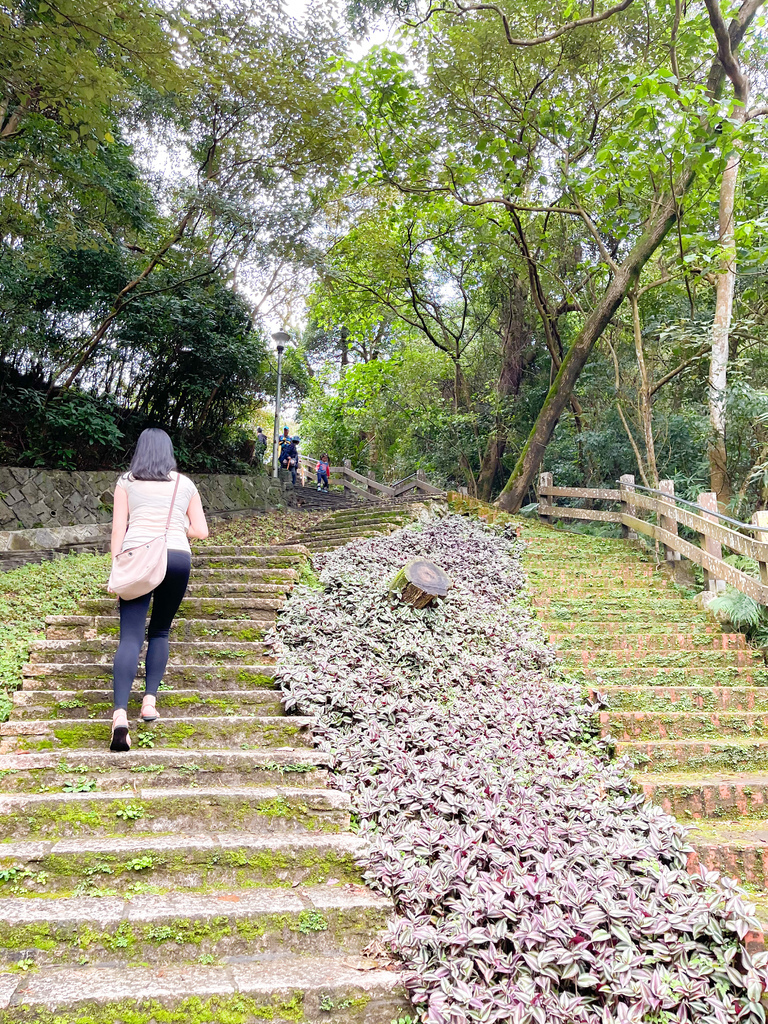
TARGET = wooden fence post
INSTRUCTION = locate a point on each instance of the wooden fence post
(761, 519)
(545, 480)
(669, 523)
(708, 500)
(627, 483)
(347, 465)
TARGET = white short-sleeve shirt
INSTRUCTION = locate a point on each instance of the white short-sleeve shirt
(148, 504)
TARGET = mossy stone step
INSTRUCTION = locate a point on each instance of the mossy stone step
(171, 704)
(738, 849)
(244, 606)
(82, 627)
(694, 795)
(697, 755)
(258, 578)
(682, 698)
(181, 927)
(99, 770)
(198, 861)
(95, 675)
(188, 732)
(238, 588)
(669, 725)
(576, 641)
(249, 550)
(301, 989)
(642, 616)
(283, 560)
(627, 627)
(209, 652)
(156, 810)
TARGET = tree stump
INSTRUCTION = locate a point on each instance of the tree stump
(420, 582)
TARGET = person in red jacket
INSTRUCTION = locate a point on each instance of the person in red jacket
(323, 473)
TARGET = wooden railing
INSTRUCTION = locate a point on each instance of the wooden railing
(657, 514)
(368, 487)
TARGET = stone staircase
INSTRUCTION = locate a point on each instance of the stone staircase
(209, 875)
(687, 701)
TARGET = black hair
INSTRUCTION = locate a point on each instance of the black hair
(153, 458)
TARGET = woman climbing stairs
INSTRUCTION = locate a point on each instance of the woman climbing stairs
(208, 874)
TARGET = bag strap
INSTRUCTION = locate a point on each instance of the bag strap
(173, 499)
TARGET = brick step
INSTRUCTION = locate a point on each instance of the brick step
(697, 755)
(189, 732)
(209, 652)
(635, 607)
(603, 576)
(155, 811)
(170, 704)
(153, 767)
(198, 861)
(246, 605)
(89, 627)
(694, 795)
(607, 658)
(671, 725)
(302, 988)
(695, 675)
(738, 849)
(575, 642)
(682, 698)
(178, 928)
(98, 675)
(625, 628)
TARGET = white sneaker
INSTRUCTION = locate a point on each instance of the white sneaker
(319, 487)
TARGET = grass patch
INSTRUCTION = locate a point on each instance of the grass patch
(30, 593)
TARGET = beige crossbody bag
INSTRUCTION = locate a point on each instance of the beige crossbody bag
(138, 570)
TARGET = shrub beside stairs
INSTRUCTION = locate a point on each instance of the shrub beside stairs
(688, 702)
(210, 875)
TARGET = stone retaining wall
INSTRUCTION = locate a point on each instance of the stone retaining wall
(34, 498)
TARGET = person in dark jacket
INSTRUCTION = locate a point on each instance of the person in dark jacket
(289, 457)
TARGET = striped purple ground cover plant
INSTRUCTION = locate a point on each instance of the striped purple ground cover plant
(532, 884)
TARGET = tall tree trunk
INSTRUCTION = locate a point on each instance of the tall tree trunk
(666, 212)
(514, 331)
(344, 346)
(646, 403)
(721, 328)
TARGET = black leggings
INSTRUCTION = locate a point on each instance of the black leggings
(133, 618)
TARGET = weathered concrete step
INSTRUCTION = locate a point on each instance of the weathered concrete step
(208, 652)
(738, 849)
(170, 704)
(694, 795)
(278, 550)
(155, 810)
(246, 605)
(95, 675)
(100, 770)
(682, 698)
(181, 927)
(608, 658)
(670, 725)
(187, 732)
(198, 861)
(697, 755)
(89, 627)
(693, 675)
(575, 642)
(296, 989)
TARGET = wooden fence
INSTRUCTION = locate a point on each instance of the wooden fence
(368, 487)
(657, 514)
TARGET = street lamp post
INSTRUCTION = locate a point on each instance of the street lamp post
(281, 338)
